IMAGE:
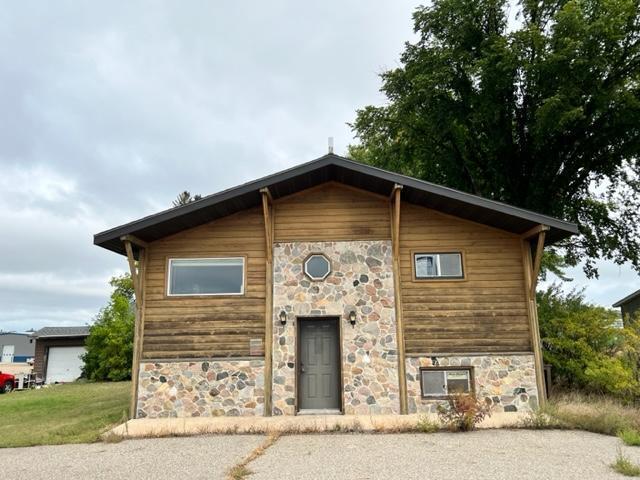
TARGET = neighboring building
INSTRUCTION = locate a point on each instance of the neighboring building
(334, 287)
(629, 305)
(16, 347)
(58, 352)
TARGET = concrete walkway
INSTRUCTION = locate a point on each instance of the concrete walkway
(162, 427)
(481, 455)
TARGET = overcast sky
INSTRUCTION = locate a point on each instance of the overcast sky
(109, 110)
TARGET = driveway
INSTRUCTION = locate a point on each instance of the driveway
(158, 458)
(487, 454)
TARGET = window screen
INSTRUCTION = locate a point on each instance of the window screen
(206, 276)
(436, 382)
(438, 265)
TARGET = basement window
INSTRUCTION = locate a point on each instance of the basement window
(440, 382)
(438, 265)
(205, 276)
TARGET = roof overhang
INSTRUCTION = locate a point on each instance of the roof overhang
(334, 168)
(627, 299)
(73, 335)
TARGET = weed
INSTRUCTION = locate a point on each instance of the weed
(540, 419)
(463, 412)
(630, 437)
(240, 470)
(426, 425)
(625, 466)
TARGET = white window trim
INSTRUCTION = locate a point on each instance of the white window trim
(436, 257)
(306, 272)
(235, 294)
(446, 381)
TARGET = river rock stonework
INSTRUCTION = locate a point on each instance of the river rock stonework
(201, 389)
(506, 382)
(361, 279)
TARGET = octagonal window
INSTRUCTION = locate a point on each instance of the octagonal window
(317, 266)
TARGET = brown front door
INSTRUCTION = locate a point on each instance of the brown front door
(319, 364)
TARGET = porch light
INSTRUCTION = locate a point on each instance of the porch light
(352, 318)
(283, 317)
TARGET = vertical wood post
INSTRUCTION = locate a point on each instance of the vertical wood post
(531, 271)
(395, 241)
(268, 314)
(137, 278)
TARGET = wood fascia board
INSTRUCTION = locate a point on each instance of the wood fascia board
(535, 271)
(535, 231)
(394, 216)
(532, 314)
(267, 212)
(135, 240)
(138, 332)
(134, 271)
(396, 186)
(267, 192)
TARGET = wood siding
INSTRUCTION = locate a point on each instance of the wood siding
(206, 326)
(484, 312)
(331, 212)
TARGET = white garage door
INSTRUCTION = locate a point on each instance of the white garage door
(64, 364)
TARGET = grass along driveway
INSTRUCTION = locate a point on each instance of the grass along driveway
(71, 413)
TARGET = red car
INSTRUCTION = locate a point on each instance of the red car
(6, 382)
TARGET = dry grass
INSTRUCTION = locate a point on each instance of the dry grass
(593, 413)
(241, 470)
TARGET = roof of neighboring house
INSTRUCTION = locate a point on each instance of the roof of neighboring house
(627, 299)
(326, 168)
(48, 332)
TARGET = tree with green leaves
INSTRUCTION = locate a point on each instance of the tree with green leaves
(585, 347)
(110, 342)
(542, 112)
(185, 198)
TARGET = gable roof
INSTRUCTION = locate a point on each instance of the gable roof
(47, 332)
(627, 299)
(326, 168)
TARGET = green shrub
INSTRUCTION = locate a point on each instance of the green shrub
(625, 466)
(630, 437)
(463, 412)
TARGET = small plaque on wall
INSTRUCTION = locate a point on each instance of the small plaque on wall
(256, 347)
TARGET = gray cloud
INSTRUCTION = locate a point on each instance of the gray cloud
(109, 110)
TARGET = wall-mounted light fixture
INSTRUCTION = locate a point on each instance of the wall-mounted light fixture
(352, 318)
(283, 317)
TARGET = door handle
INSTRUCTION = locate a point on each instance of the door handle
(302, 368)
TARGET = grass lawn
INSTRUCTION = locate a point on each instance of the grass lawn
(71, 413)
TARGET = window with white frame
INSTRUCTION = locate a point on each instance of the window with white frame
(440, 382)
(206, 276)
(438, 265)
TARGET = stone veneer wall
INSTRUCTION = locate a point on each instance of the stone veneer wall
(201, 388)
(361, 279)
(507, 382)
